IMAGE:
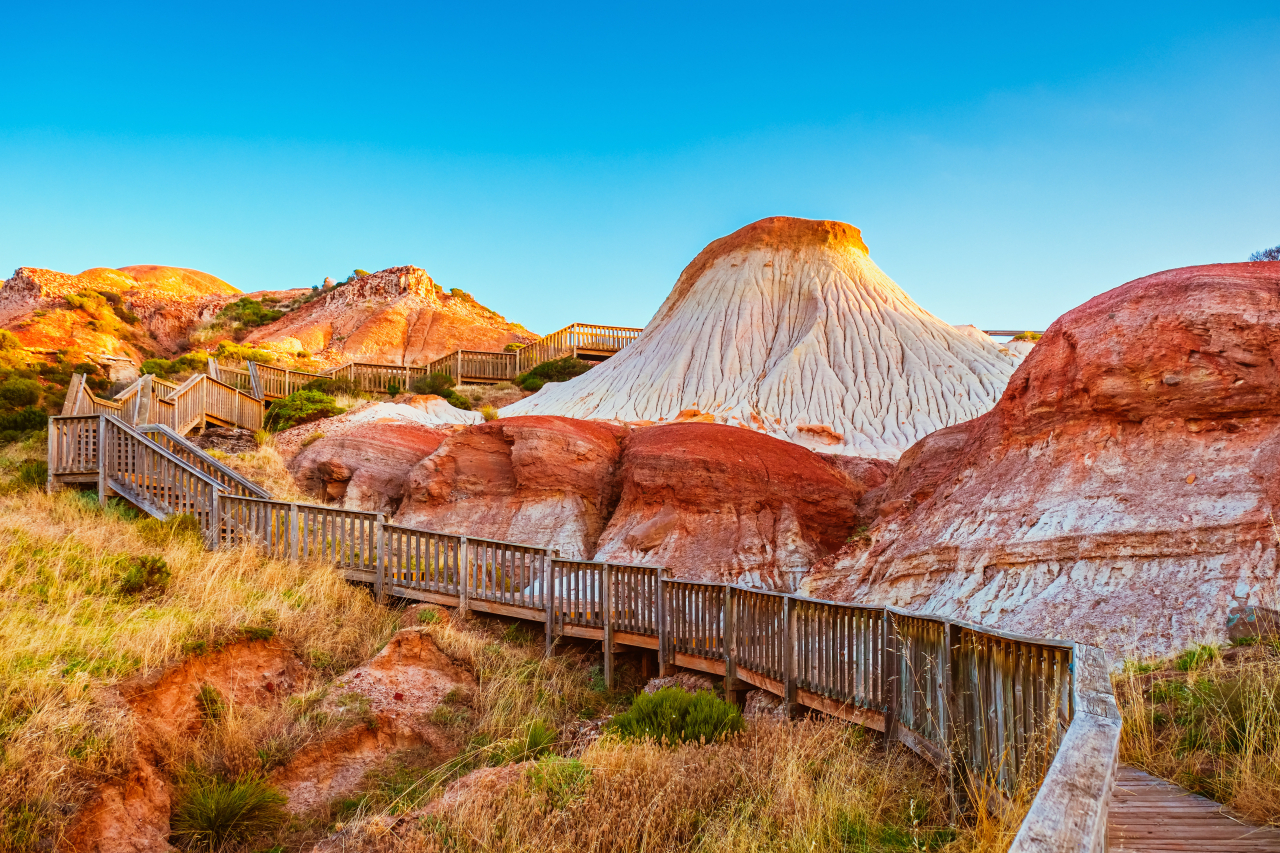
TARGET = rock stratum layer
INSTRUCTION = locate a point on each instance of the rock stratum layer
(396, 316)
(787, 327)
(1123, 490)
(706, 500)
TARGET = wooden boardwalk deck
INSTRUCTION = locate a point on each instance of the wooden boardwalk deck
(1150, 815)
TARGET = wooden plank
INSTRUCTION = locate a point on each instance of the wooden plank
(630, 638)
(843, 710)
(715, 666)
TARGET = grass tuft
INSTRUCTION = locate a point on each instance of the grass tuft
(214, 814)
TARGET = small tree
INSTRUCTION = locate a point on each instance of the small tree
(1272, 254)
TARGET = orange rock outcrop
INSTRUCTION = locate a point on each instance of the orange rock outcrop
(1123, 490)
(396, 316)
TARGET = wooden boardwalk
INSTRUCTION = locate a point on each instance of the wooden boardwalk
(1150, 815)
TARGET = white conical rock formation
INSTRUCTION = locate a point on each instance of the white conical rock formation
(786, 326)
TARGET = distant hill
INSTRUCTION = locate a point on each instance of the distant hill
(396, 316)
(117, 318)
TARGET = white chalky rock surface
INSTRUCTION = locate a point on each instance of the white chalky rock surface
(786, 326)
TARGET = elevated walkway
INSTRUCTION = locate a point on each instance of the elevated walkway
(987, 708)
(199, 402)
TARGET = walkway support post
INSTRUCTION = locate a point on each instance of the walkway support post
(549, 597)
(102, 460)
(606, 614)
(294, 536)
(790, 656)
(464, 578)
(664, 629)
(890, 673)
(379, 568)
(731, 685)
(953, 728)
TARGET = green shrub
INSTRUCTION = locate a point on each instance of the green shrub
(560, 780)
(440, 384)
(32, 473)
(301, 407)
(210, 703)
(1028, 336)
(239, 352)
(393, 388)
(534, 740)
(164, 368)
(1196, 657)
(9, 341)
(214, 814)
(19, 393)
(24, 420)
(247, 313)
(144, 575)
(558, 370)
(332, 387)
(672, 716)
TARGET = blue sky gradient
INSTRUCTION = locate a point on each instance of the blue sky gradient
(565, 162)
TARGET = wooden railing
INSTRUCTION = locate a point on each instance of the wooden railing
(572, 340)
(230, 481)
(151, 400)
(476, 366)
(992, 711)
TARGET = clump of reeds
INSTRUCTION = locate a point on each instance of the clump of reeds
(1209, 720)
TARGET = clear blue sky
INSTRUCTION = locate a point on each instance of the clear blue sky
(564, 163)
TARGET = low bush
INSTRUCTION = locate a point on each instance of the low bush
(301, 407)
(1028, 336)
(24, 420)
(558, 370)
(440, 384)
(332, 387)
(164, 368)
(32, 474)
(144, 576)
(19, 393)
(489, 413)
(673, 716)
(238, 352)
(214, 814)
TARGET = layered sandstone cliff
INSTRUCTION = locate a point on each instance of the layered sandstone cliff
(787, 327)
(1123, 490)
(396, 316)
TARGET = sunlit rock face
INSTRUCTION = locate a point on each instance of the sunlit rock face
(1123, 490)
(787, 327)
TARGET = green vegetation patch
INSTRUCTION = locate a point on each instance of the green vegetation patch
(301, 407)
(559, 370)
(440, 384)
(673, 716)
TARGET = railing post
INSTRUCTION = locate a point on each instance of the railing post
(953, 730)
(891, 674)
(213, 538)
(730, 647)
(464, 578)
(102, 460)
(293, 530)
(549, 597)
(52, 454)
(790, 655)
(379, 569)
(664, 629)
(606, 612)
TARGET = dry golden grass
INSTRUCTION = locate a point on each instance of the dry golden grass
(266, 467)
(67, 632)
(1209, 721)
(805, 786)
